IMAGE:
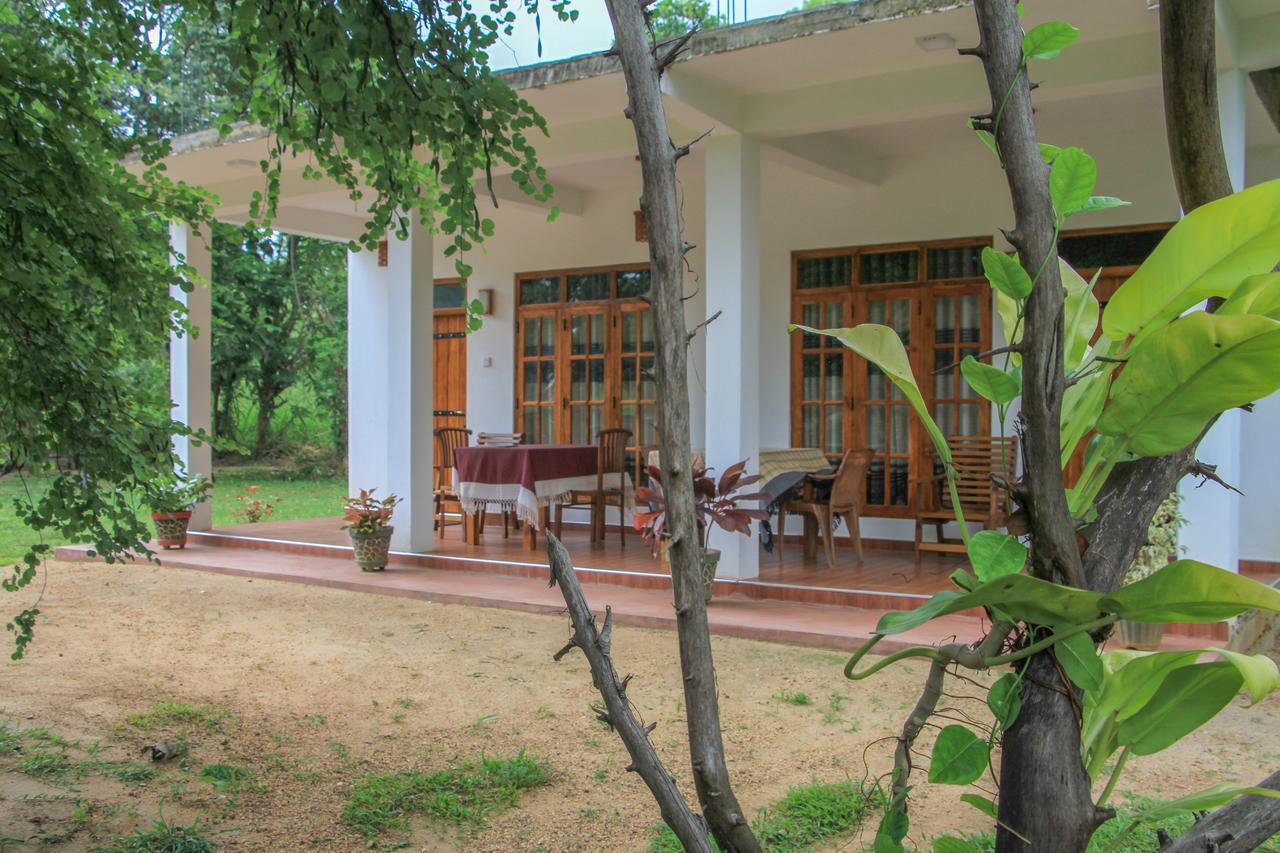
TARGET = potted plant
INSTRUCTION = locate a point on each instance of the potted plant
(1160, 550)
(369, 525)
(171, 503)
(716, 503)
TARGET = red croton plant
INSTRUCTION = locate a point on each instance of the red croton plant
(714, 501)
(367, 514)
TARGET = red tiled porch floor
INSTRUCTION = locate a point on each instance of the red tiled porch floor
(799, 602)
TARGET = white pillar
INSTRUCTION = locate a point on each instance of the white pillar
(1213, 533)
(190, 360)
(733, 340)
(389, 373)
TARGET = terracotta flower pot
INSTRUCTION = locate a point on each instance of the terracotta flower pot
(171, 528)
(371, 549)
(1144, 636)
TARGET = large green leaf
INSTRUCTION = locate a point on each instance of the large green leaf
(959, 757)
(983, 804)
(995, 554)
(1048, 39)
(1257, 294)
(1079, 659)
(991, 382)
(1190, 591)
(1023, 597)
(881, 346)
(1005, 274)
(1188, 698)
(1080, 318)
(1072, 178)
(1188, 372)
(1208, 253)
(954, 844)
(1005, 699)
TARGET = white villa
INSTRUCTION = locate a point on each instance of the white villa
(839, 185)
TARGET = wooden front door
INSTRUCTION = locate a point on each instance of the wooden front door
(450, 374)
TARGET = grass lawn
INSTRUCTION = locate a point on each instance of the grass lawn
(297, 499)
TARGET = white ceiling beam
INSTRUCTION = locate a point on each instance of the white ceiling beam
(308, 222)
(1258, 43)
(700, 104)
(827, 156)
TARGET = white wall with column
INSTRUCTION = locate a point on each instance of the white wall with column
(733, 288)
(190, 361)
(389, 381)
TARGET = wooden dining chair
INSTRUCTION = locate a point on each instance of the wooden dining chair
(977, 459)
(848, 490)
(501, 439)
(610, 490)
(448, 439)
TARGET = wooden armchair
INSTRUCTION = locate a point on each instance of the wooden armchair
(976, 460)
(501, 439)
(848, 489)
(610, 490)
(447, 440)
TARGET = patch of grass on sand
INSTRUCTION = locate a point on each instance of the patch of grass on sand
(462, 796)
(171, 712)
(807, 815)
(163, 837)
(797, 698)
(225, 777)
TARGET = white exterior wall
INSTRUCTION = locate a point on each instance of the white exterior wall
(190, 364)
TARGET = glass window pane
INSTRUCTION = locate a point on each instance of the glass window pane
(944, 320)
(648, 388)
(834, 430)
(835, 376)
(577, 380)
(578, 425)
(902, 319)
(969, 419)
(449, 295)
(809, 425)
(942, 413)
(548, 371)
(899, 441)
(970, 318)
(646, 331)
(630, 380)
(1103, 250)
(633, 283)
(597, 333)
(943, 383)
(548, 335)
(588, 286)
(629, 331)
(834, 318)
(578, 335)
(595, 422)
(648, 425)
(530, 381)
(875, 383)
(597, 379)
(955, 262)
(629, 417)
(531, 326)
(539, 291)
(888, 267)
(810, 365)
(899, 481)
(832, 271)
(531, 424)
(877, 311)
(875, 427)
(875, 483)
(547, 433)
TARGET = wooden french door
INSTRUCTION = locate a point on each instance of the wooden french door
(449, 377)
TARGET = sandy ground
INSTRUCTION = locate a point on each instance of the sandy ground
(325, 685)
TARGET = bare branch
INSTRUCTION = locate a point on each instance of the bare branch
(688, 826)
(1243, 824)
(693, 333)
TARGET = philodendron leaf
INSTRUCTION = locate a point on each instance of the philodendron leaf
(1190, 591)
(1048, 39)
(1188, 372)
(881, 346)
(1257, 294)
(1079, 659)
(959, 757)
(1080, 315)
(1005, 699)
(1072, 178)
(1005, 274)
(1209, 252)
(982, 804)
(990, 381)
(1188, 698)
(995, 554)
(1022, 597)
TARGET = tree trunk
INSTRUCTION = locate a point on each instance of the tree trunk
(660, 204)
(1045, 801)
(262, 432)
(1188, 66)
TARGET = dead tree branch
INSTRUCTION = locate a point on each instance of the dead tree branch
(1243, 824)
(688, 826)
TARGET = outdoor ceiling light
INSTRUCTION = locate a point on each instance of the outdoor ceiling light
(936, 42)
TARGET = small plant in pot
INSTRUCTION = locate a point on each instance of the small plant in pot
(172, 501)
(716, 503)
(1160, 550)
(369, 525)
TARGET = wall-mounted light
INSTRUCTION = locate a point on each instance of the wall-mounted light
(936, 42)
(485, 297)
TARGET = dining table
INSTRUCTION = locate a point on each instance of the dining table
(524, 480)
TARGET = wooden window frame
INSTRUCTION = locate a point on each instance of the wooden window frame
(612, 308)
(856, 297)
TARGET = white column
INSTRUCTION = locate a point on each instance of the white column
(1213, 534)
(190, 361)
(733, 352)
(389, 372)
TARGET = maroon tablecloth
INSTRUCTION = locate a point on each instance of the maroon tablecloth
(523, 479)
